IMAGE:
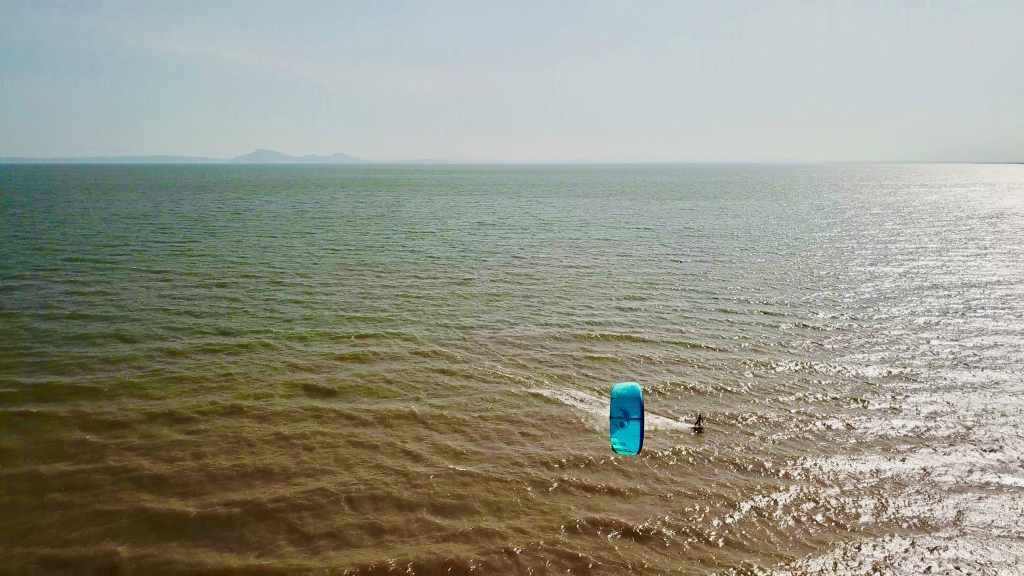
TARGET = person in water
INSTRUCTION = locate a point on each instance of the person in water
(698, 426)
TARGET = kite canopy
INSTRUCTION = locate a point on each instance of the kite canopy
(626, 418)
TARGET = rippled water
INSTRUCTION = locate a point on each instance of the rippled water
(394, 370)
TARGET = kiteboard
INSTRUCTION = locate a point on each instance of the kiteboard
(626, 419)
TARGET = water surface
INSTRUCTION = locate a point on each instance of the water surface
(406, 369)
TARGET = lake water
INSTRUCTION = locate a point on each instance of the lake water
(386, 369)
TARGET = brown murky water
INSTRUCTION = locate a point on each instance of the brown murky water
(379, 370)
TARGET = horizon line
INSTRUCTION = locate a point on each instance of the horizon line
(154, 160)
(268, 157)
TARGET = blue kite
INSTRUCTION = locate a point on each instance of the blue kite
(626, 418)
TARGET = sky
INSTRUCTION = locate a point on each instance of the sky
(517, 81)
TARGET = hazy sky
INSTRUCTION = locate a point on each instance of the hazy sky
(515, 80)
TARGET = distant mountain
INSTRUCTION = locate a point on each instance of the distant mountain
(257, 157)
(272, 157)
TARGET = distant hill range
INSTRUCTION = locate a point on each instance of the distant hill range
(271, 157)
(257, 157)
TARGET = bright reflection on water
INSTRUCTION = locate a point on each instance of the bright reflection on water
(405, 370)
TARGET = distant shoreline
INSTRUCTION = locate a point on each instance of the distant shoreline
(261, 156)
(200, 161)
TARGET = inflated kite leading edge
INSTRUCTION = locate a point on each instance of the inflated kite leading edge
(626, 418)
